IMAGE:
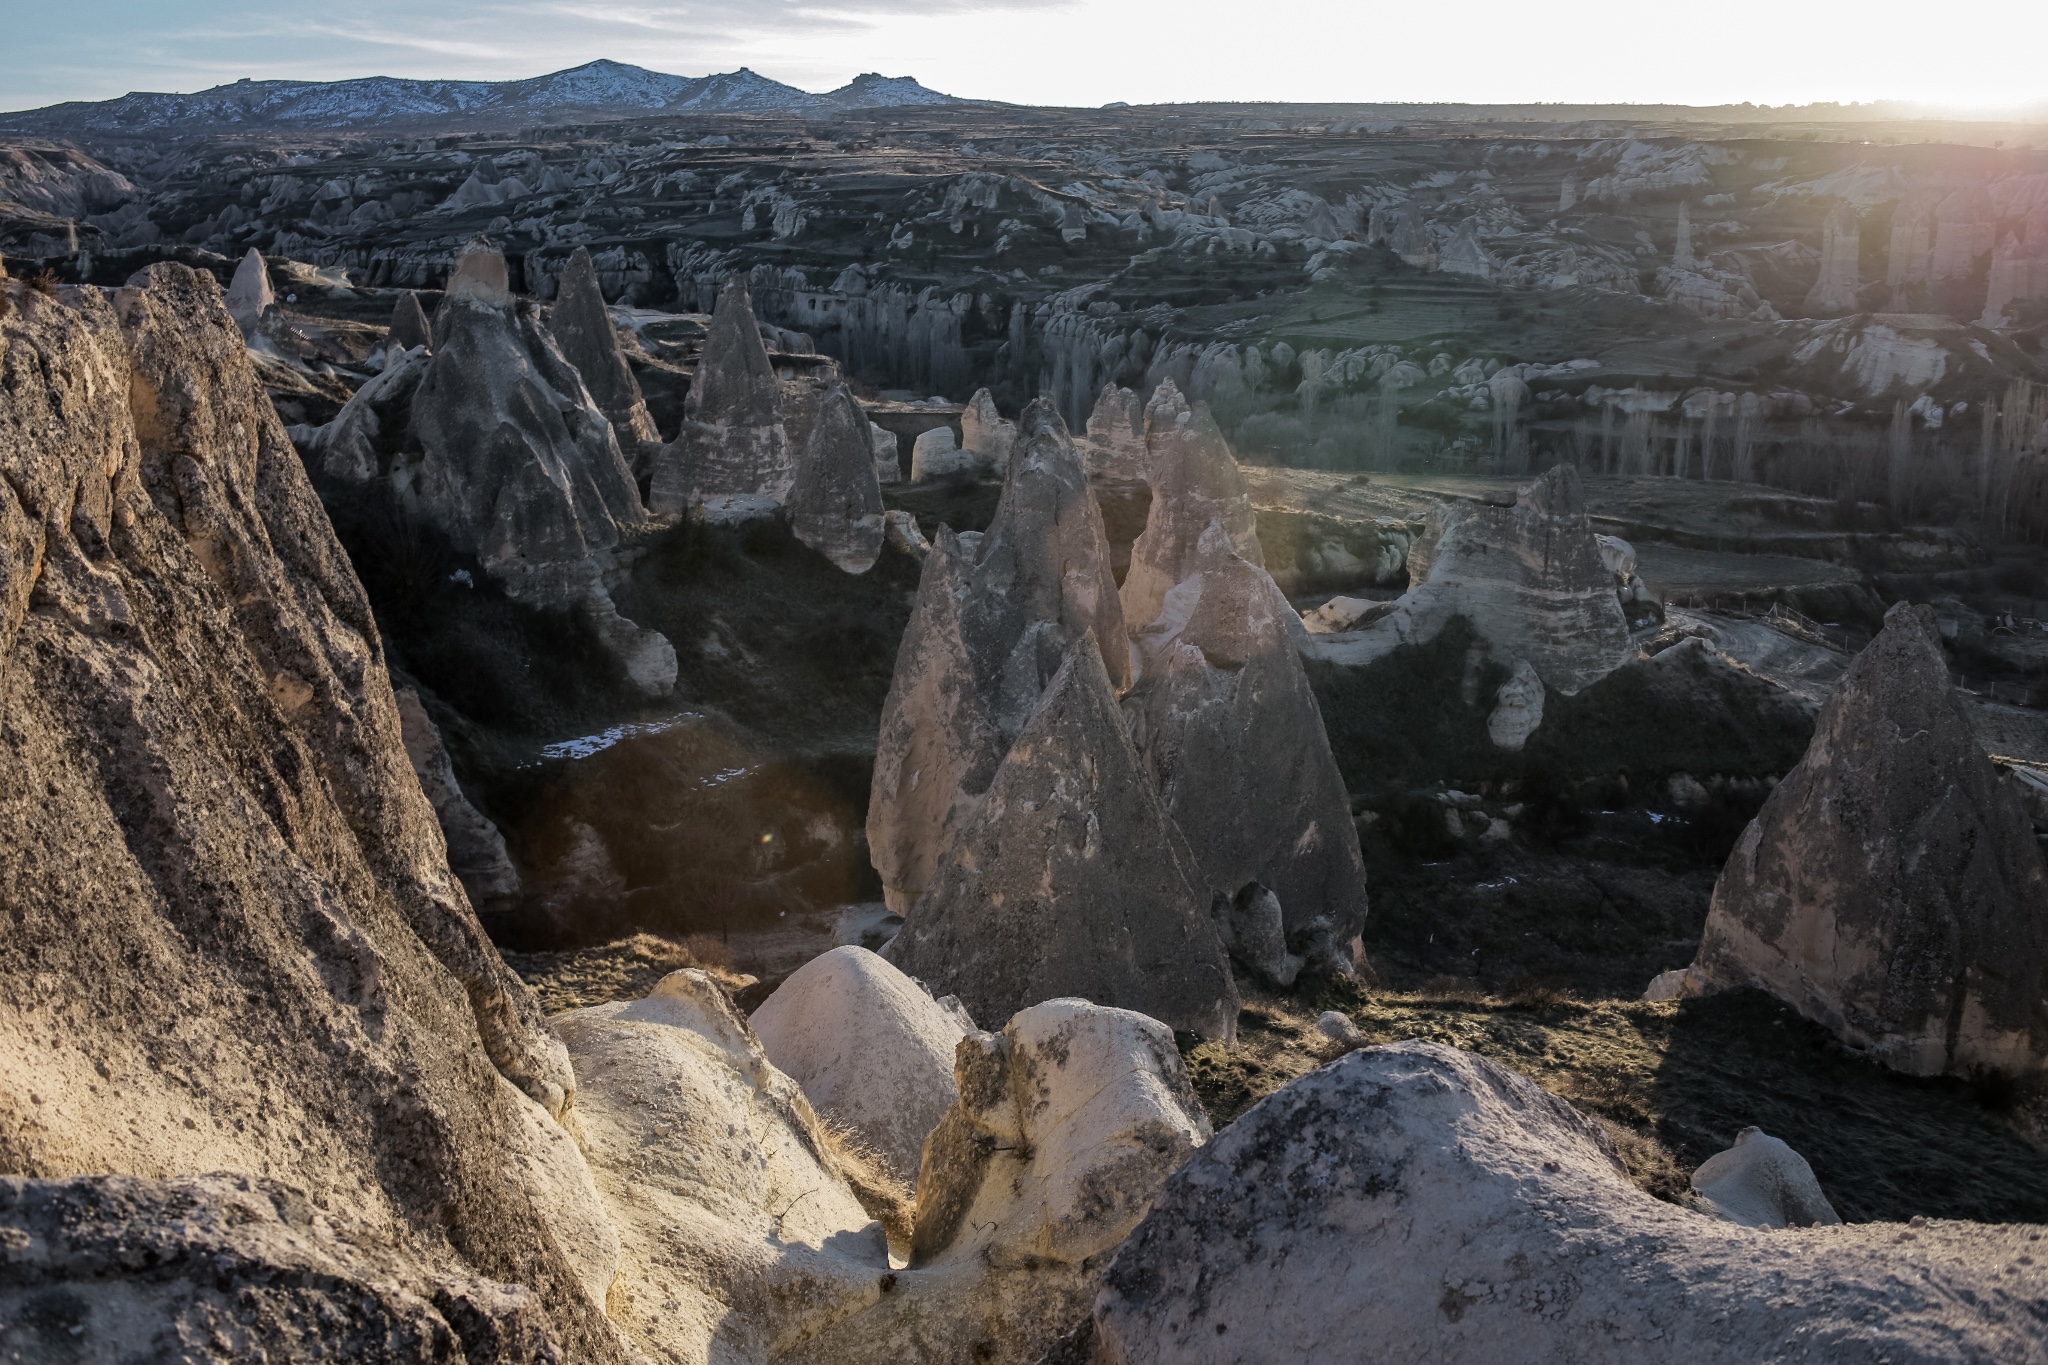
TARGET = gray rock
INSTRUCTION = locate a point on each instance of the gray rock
(1761, 1182)
(986, 435)
(1115, 443)
(899, 530)
(936, 455)
(409, 325)
(732, 442)
(249, 294)
(211, 782)
(1442, 1208)
(989, 629)
(1254, 933)
(1338, 1028)
(1232, 738)
(1069, 879)
(476, 850)
(581, 324)
(1517, 708)
(888, 454)
(835, 504)
(1891, 887)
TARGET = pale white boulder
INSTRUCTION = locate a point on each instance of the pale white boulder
(1761, 1182)
(870, 1047)
(887, 454)
(935, 455)
(249, 293)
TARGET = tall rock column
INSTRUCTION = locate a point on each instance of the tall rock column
(732, 450)
(1891, 887)
(584, 328)
(835, 502)
(1834, 293)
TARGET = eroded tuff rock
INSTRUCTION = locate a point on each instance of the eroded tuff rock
(409, 326)
(732, 444)
(990, 627)
(1068, 1122)
(1069, 878)
(986, 434)
(476, 850)
(870, 1047)
(1530, 578)
(249, 293)
(1230, 733)
(1891, 887)
(1115, 446)
(235, 945)
(1195, 485)
(1761, 1182)
(584, 329)
(493, 440)
(1443, 1208)
(835, 502)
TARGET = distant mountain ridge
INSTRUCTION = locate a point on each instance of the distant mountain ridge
(600, 87)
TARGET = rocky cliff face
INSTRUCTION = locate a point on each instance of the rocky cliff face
(1891, 887)
(235, 945)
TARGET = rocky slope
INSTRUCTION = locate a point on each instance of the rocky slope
(236, 946)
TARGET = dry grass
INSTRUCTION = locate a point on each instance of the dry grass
(45, 282)
(1673, 1084)
(624, 970)
(885, 1195)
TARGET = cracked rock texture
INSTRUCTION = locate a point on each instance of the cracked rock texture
(1442, 1208)
(1891, 887)
(234, 943)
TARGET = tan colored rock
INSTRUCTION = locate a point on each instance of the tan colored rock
(257, 1046)
(582, 325)
(1069, 1121)
(1891, 887)
(732, 443)
(835, 504)
(1069, 879)
(1761, 1182)
(870, 1047)
(1442, 1208)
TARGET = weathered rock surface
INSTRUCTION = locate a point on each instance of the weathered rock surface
(986, 435)
(989, 629)
(1230, 733)
(936, 455)
(1891, 887)
(1069, 878)
(870, 1047)
(835, 503)
(409, 325)
(1069, 1120)
(740, 1234)
(888, 453)
(1195, 485)
(494, 441)
(476, 850)
(732, 443)
(584, 329)
(234, 944)
(1530, 578)
(1115, 445)
(1761, 1182)
(1442, 1208)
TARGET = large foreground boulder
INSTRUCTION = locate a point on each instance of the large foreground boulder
(989, 629)
(233, 947)
(871, 1048)
(1891, 887)
(1069, 878)
(1068, 1122)
(1415, 1202)
(732, 449)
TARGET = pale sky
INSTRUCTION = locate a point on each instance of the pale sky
(1985, 54)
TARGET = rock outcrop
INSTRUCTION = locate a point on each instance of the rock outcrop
(989, 629)
(835, 503)
(1443, 1208)
(234, 946)
(1069, 878)
(936, 455)
(249, 293)
(1891, 887)
(732, 447)
(1114, 447)
(1196, 484)
(986, 435)
(1530, 579)
(870, 1047)
(476, 850)
(1761, 1182)
(494, 441)
(581, 324)
(409, 326)
(1231, 735)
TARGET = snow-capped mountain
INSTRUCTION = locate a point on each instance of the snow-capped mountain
(600, 88)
